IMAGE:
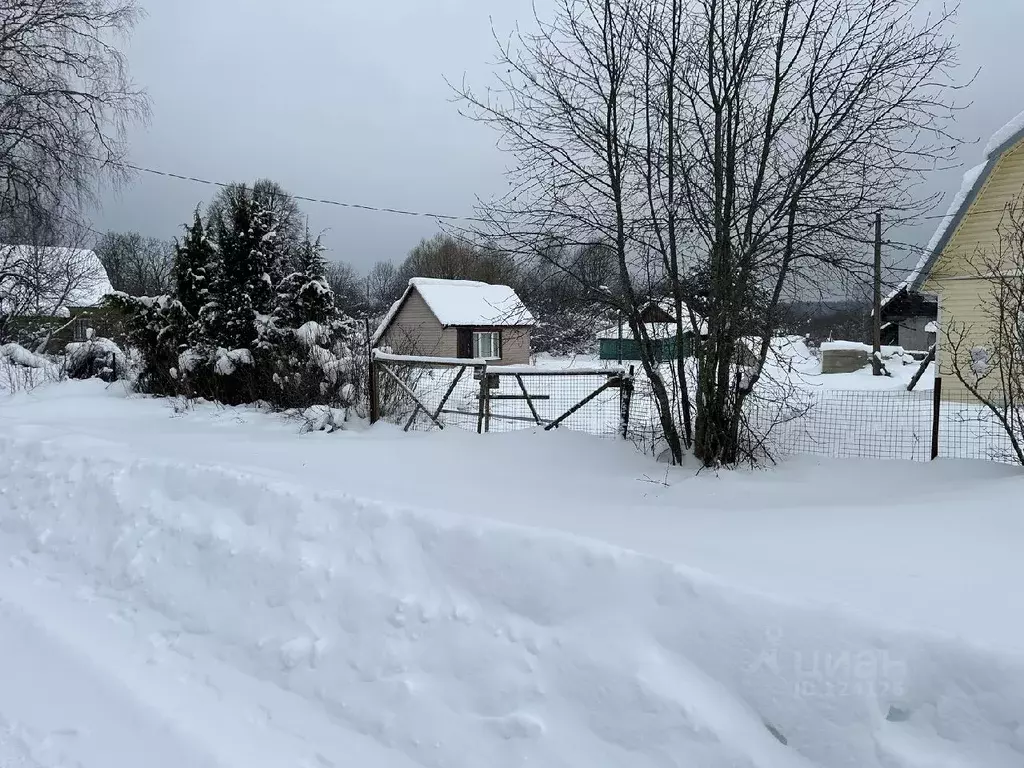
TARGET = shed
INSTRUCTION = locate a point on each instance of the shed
(906, 317)
(458, 319)
(658, 319)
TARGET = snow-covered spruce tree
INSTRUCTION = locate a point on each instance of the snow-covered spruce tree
(252, 318)
(195, 267)
(305, 341)
(248, 251)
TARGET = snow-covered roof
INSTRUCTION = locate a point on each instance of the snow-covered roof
(654, 330)
(94, 285)
(856, 346)
(657, 330)
(463, 302)
(92, 294)
(932, 327)
(1005, 139)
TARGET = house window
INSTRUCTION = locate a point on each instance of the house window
(487, 345)
(80, 329)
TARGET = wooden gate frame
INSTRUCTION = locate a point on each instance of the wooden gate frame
(617, 378)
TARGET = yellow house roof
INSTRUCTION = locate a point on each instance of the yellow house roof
(1008, 137)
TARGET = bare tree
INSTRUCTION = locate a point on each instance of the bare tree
(348, 288)
(383, 286)
(66, 98)
(569, 114)
(988, 357)
(449, 257)
(137, 265)
(741, 142)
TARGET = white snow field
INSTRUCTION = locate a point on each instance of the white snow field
(211, 588)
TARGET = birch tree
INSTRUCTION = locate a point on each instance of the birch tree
(66, 98)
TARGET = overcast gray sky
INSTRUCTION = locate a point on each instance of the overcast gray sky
(344, 100)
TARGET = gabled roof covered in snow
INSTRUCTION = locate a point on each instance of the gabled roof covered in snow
(463, 302)
(90, 290)
(904, 302)
(1005, 139)
(656, 330)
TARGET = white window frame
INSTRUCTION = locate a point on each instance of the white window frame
(494, 344)
(80, 329)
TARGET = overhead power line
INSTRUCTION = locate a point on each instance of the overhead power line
(324, 201)
(423, 214)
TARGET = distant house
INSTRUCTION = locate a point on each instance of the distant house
(72, 277)
(956, 266)
(658, 319)
(72, 283)
(458, 319)
(909, 319)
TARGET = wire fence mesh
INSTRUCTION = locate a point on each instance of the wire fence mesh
(893, 424)
(882, 424)
(843, 424)
(969, 430)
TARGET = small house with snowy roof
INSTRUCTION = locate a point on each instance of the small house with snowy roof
(965, 261)
(658, 321)
(63, 299)
(458, 319)
(908, 320)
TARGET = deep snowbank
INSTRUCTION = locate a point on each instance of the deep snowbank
(469, 643)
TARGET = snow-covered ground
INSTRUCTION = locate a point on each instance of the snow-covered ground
(210, 587)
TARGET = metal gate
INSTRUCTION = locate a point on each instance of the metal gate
(435, 393)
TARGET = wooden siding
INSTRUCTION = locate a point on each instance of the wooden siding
(962, 315)
(956, 278)
(515, 346)
(415, 330)
(977, 237)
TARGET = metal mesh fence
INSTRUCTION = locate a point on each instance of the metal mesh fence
(969, 430)
(843, 424)
(882, 424)
(875, 424)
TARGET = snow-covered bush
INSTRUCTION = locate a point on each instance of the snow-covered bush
(21, 370)
(18, 355)
(252, 317)
(95, 358)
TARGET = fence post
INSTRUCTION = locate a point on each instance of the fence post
(374, 393)
(936, 411)
(371, 368)
(625, 402)
(484, 400)
(483, 396)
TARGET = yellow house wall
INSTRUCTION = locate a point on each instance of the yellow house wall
(957, 277)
